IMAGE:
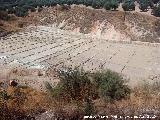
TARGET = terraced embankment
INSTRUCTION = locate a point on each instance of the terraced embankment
(46, 46)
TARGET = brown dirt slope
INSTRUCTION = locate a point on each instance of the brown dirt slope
(114, 25)
(125, 25)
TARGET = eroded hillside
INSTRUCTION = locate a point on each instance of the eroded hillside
(49, 41)
(84, 37)
(113, 25)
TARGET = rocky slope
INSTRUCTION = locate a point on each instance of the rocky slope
(113, 25)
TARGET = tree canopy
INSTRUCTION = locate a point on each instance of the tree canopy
(127, 5)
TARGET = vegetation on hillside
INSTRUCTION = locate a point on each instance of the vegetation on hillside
(82, 88)
(21, 7)
(144, 4)
(18, 103)
(128, 5)
(111, 85)
(76, 85)
(156, 11)
(80, 93)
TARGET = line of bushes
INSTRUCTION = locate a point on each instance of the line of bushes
(20, 8)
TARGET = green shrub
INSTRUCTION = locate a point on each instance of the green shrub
(47, 3)
(143, 5)
(78, 2)
(114, 4)
(27, 7)
(74, 85)
(40, 4)
(88, 2)
(111, 85)
(111, 4)
(151, 4)
(53, 3)
(11, 10)
(156, 11)
(22, 3)
(54, 91)
(97, 4)
(102, 2)
(21, 12)
(107, 5)
(69, 2)
(128, 5)
(62, 2)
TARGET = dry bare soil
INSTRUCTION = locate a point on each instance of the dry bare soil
(126, 42)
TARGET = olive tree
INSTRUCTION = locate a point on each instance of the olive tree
(128, 5)
(114, 4)
(107, 5)
(97, 4)
(88, 2)
(156, 11)
(144, 4)
(21, 12)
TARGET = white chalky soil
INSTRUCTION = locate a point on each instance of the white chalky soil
(46, 46)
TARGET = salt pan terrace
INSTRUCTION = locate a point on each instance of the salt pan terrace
(47, 46)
